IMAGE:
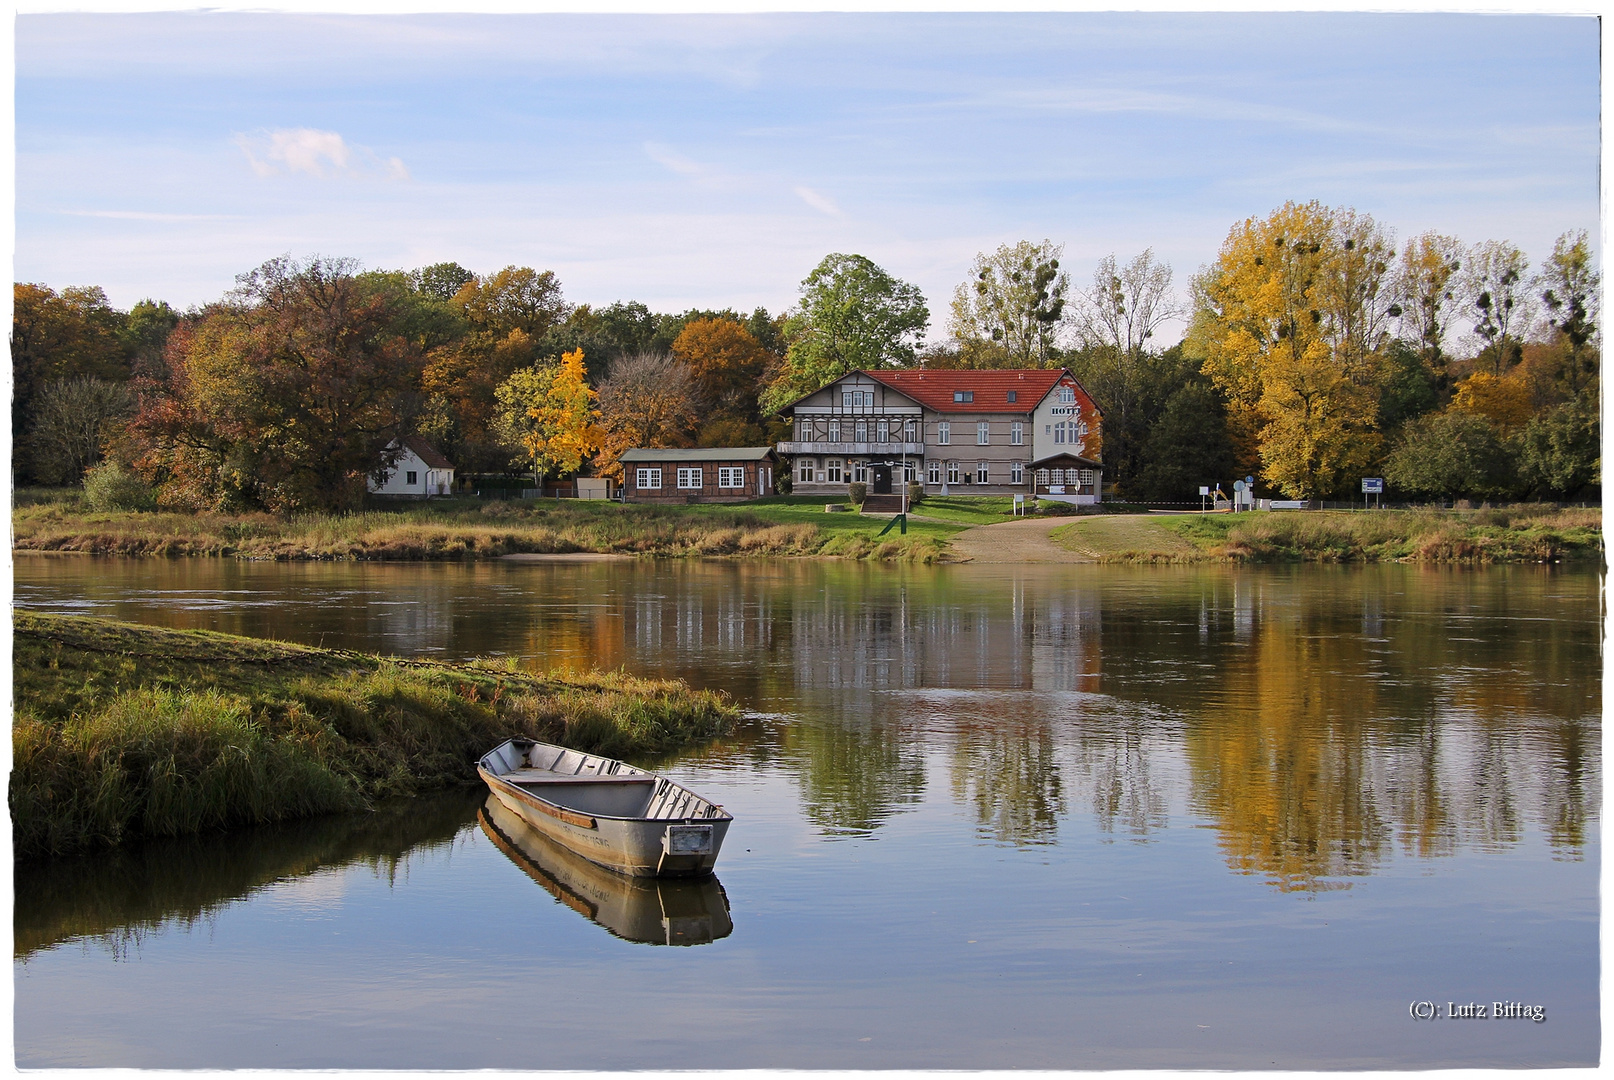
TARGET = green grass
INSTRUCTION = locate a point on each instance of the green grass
(1521, 533)
(470, 529)
(123, 730)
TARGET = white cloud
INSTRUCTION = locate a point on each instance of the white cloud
(822, 203)
(669, 158)
(320, 154)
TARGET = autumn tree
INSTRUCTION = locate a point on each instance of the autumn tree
(547, 416)
(1008, 313)
(70, 334)
(505, 318)
(852, 315)
(1280, 327)
(728, 364)
(651, 400)
(285, 395)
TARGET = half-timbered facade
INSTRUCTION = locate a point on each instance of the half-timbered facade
(955, 432)
(714, 474)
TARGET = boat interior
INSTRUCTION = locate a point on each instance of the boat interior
(595, 785)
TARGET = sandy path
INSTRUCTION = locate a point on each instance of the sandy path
(1016, 542)
(1090, 539)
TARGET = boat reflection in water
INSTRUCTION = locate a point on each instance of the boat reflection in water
(654, 911)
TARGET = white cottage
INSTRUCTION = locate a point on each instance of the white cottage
(420, 471)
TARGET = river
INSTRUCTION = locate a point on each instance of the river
(1056, 817)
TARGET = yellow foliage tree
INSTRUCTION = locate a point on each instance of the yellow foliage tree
(1504, 401)
(1286, 321)
(549, 413)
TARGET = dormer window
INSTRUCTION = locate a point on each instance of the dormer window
(962, 396)
(1014, 395)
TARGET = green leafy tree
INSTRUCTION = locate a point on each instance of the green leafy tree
(1188, 446)
(547, 416)
(1560, 451)
(852, 315)
(1450, 454)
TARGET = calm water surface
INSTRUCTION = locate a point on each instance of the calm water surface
(1052, 817)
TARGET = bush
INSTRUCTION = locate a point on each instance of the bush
(110, 486)
(857, 491)
(916, 494)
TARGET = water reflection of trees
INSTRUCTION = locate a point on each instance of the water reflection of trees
(119, 897)
(1008, 774)
(854, 776)
(1320, 748)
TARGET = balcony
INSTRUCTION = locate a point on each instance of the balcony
(854, 449)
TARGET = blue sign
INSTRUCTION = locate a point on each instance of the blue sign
(1372, 485)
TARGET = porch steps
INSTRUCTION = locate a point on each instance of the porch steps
(882, 504)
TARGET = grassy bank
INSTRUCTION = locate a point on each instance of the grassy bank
(1523, 533)
(123, 730)
(473, 528)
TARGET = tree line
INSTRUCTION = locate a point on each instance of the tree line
(1317, 351)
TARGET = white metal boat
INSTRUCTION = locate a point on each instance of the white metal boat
(655, 911)
(630, 820)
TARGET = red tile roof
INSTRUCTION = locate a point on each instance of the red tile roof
(427, 453)
(934, 389)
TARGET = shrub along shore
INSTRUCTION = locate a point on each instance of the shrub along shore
(1531, 532)
(55, 520)
(124, 731)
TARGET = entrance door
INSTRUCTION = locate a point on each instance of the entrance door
(880, 479)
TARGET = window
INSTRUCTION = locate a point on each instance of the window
(862, 427)
(857, 399)
(1042, 477)
(910, 472)
(832, 470)
(981, 474)
(1017, 472)
(983, 432)
(411, 478)
(834, 431)
(1067, 395)
(944, 433)
(907, 431)
(963, 396)
(805, 470)
(1084, 477)
(933, 472)
(730, 476)
(1014, 395)
(1059, 432)
(952, 472)
(860, 471)
(882, 431)
(1017, 434)
(690, 478)
(648, 479)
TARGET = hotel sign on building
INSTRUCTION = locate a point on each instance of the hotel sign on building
(1033, 431)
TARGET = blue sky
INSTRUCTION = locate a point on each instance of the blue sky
(713, 160)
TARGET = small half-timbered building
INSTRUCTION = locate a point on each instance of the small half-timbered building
(702, 474)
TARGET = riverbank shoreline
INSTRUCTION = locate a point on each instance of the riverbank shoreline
(466, 529)
(1526, 533)
(124, 730)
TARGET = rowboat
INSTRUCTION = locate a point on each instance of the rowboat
(611, 813)
(651, 911)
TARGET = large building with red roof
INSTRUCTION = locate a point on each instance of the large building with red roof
(1016, 432)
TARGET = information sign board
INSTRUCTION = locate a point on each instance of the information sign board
(1372, 485)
